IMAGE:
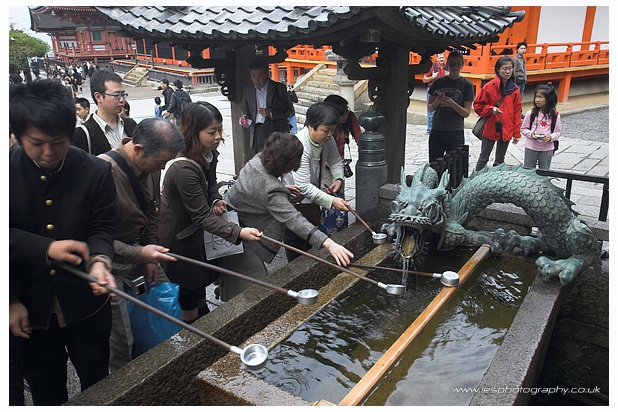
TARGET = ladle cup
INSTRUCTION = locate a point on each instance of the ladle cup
(448, 278)
(252, 356)
(390, 289)
(378, 238)
(304, 297)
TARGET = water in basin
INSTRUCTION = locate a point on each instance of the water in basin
(332, 351)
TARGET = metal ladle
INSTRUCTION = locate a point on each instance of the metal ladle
(252, 356)
(378, 238)
(448, 278)
(304, 297)
(390, 289)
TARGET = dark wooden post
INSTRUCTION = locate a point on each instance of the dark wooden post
(240, 135)
(394, 108)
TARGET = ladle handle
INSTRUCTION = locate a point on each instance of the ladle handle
(360, 219)
(85, 276)
(227, 272)
(302, 252)
(412, 272)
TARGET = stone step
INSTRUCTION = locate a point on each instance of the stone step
(321, 84)
(322, 78)
(317, 91)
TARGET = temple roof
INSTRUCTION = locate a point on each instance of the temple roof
(424, 29)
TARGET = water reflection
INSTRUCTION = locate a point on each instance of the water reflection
(333, 350)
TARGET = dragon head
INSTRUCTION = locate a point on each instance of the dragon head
(417, 210)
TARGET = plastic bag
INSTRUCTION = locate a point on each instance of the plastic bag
(148, 328)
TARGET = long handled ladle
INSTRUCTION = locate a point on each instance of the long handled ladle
(390, 289)
(253, 356)
(304, 297)
(448, 278)
(378, 238)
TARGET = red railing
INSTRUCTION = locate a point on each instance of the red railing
(556, 62)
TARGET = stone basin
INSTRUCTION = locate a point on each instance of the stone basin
(189, 370)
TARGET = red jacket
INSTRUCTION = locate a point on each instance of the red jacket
(484, 103)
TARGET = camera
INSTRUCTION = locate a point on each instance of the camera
(347, 170)
(539, 136)
(138, 286)
(498, 127)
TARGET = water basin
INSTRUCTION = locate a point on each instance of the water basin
(328, 354)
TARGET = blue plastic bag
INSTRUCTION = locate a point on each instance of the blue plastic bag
(150, 329)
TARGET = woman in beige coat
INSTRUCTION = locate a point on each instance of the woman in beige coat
(190, 205)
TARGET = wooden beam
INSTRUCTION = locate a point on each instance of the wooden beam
(392, 355)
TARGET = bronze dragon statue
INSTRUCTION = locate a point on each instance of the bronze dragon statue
(427, 207)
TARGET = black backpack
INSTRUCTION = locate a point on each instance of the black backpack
(183, 98)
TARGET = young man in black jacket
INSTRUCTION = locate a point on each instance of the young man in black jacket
(61, 209)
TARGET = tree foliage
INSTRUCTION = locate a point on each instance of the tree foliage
(22, 47)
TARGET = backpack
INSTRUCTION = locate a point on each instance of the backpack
(182, 98)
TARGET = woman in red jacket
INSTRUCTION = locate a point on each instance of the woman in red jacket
(499, 100)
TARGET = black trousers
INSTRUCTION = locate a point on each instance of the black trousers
(43, 357)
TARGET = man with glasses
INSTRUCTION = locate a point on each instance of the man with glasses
(450, 100)
(105, 128)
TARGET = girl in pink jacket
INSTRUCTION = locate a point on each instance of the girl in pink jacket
(541, 127)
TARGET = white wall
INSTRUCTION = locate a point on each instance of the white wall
(562, 24)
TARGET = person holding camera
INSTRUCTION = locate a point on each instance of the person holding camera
(450, 101)
(136, 165)
(499, 100)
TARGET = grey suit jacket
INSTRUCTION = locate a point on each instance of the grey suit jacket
(249, 103)
(263, 202)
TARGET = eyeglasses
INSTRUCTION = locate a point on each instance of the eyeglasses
(118, 95)
(506, 69)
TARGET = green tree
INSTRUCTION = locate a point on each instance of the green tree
(23, 46)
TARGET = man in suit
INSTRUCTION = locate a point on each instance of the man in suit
(105, 128)
(264, 98)
(61, 209)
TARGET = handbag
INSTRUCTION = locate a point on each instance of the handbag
(150, 329)
(477, 130)
(520, 79)
(216, 247)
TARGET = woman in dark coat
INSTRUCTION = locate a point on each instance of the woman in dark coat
(190, 205)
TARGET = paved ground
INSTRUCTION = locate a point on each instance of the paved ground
(581, 151)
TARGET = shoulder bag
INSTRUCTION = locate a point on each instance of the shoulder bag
(214, 246)
(477, 130)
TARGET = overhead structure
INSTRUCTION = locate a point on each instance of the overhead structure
(353, 32)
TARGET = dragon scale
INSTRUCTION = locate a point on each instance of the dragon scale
(426, 206)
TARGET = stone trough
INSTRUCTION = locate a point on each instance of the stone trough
(188, 370)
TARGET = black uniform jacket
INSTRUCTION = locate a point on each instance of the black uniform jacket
(75, 202)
